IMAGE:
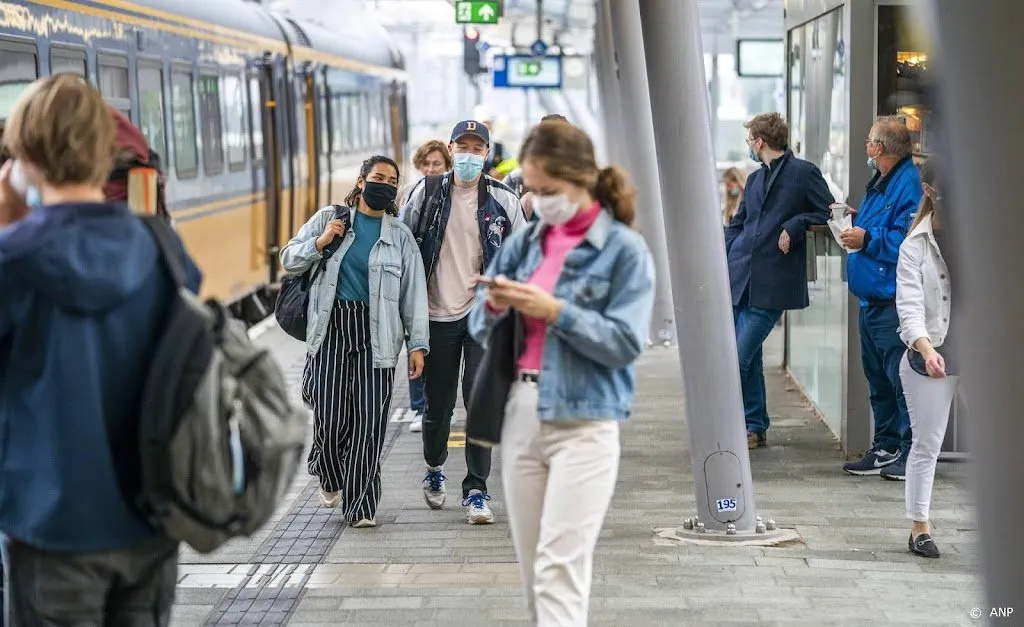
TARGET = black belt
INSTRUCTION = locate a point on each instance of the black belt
(532, 378)
(878, 302)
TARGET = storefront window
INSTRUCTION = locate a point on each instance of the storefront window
(903, 50)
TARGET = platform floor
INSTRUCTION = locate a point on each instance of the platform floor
(422, 567)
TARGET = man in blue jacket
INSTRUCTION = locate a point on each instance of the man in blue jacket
(83, 294)
(767, 251)
(880, 226)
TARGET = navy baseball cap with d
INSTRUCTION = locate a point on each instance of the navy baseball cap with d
(471, 127)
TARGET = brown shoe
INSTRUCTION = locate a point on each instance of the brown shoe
(756, 440)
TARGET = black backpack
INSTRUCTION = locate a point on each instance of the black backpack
(293, 300)
(219, 439)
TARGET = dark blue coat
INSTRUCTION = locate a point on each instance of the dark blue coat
(791, 195)
(83, 293)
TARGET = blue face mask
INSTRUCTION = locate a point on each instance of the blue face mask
(33, 198)
(468, 166)
(873, 164)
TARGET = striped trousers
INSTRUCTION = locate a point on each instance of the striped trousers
(350, 400)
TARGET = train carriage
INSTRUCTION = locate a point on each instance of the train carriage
(259, 117)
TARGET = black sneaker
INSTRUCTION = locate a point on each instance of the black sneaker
(872, 463)
(896, 471)
(923, 545)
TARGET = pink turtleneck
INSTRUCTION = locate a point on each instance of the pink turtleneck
(556, 244)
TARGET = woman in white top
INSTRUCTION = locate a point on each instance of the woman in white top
(923, 300)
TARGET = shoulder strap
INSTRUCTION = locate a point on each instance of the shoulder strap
(165, 242)
(431, 186)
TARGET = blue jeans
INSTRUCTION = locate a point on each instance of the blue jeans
(881, 351)
(753, 326)
(417, 399)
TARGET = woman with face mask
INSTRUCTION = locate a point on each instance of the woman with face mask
(368, 296)
(734, 182)
(580, 286)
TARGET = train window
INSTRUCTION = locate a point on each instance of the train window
(364, 121)
(256, 120)
(183, 112)
(234, 121)
(18, 68)
(210, 120)
(114, 82)
(67, 61)
(151, 107)
(338, 128)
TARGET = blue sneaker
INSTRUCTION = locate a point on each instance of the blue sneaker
(434, 488)
(477, 511)
(896, 471)
(872, 463)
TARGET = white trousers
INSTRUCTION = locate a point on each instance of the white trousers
(928, 403)
(559, 478)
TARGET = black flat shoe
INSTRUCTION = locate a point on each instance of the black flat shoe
(923, 545)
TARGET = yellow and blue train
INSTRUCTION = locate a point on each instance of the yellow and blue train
(259, 118)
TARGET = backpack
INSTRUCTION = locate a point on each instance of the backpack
(292, 305)
(219, 440)
(133, 152)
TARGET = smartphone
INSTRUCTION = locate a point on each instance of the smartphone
(485, 280)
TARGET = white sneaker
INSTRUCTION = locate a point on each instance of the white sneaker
(364, 523)
(329, 500)
(477, 511)
(434, 488)
(416, 426)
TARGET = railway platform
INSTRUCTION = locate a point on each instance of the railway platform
(422, 567)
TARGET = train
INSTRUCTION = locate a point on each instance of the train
(259, 117)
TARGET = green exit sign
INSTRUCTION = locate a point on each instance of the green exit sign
(476, 12)
(529, 68)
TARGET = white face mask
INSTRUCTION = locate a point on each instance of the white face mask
(554, 210)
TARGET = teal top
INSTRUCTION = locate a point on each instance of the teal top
(354, 274)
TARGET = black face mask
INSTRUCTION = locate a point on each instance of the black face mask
(379, 196)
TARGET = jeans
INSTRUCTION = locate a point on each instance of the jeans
(131, 587)
(928, 403)
(449, 342)
(559, 478)
(881, 352)
(753, 326)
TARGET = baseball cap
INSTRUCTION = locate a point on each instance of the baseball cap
(471, 127)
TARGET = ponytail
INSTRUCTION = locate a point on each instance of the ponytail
(615, 191)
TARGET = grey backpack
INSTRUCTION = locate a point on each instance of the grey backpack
(219, 438)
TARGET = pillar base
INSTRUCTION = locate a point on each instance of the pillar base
(713, 537)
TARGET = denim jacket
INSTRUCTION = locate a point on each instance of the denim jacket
(398, 289)
(607, 287)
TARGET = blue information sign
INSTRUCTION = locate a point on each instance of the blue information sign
(519, 71)
(539, 48)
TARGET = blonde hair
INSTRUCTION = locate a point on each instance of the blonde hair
(732, 204)
(62, 126)
(427, 149)
(929, 205)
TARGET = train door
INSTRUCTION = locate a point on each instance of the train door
(266, 145)
(309, 107)
(300, 141)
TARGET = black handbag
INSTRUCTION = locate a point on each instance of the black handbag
(485, 414)
(292, 303)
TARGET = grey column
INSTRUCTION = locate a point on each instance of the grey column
(981, 96)
(700, 279)
(643, 159)
(608, 84)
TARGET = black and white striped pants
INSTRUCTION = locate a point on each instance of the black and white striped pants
(350, 400)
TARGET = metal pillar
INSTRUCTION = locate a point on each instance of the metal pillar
(643, 160)
(980, 95)
(700, 280)
(608, 82)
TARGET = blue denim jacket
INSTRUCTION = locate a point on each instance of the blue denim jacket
(607, 286)
(398, 289)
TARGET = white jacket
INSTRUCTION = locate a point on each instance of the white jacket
(923, 295)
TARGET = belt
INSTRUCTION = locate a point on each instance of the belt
(528, 377)
(881, 302)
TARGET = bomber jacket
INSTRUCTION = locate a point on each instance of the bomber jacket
(499, 214)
